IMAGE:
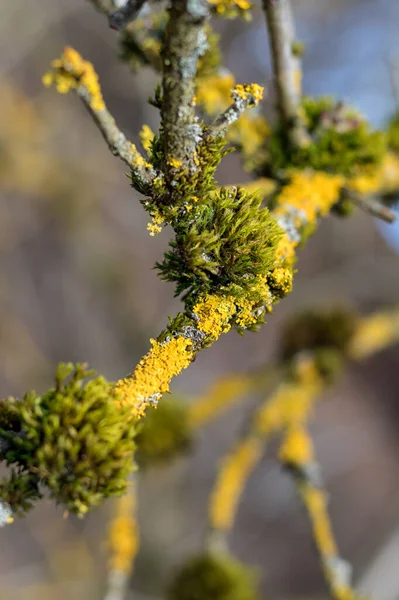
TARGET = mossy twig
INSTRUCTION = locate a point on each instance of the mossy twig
(185, 42)
(71, 72)
(286, 67)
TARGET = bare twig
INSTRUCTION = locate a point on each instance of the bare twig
(185, 42)
(370, 205)
(286, 67)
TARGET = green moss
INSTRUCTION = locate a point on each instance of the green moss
(213, 577)
(20, 491)
(313, 330)
(341, 141)
(74, 438)
(232, 240)
(164, 434)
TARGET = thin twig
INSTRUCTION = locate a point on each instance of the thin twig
(185, 42)
(286, 67)
(308, 481)
(241, 103)
(370, 205)
(71, 72)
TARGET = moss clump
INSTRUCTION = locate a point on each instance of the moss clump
(20, 491)
(74, 439)
(213, 577)
(341, 141)
(164, 434)
(314, 330)
(232, 240)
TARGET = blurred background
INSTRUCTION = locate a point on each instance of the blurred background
(77, 284)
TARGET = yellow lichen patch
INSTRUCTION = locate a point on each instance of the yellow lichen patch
(280, 280)
(297, 74)
(153, 228)
(233, 474)
(297, 447)
(315, 502)
(174, 163)
(292, 402)
(222, 394)
(123, 536)
(72, 72)
(263, 186)
(213, 94)
(309, 194)
(225, 6)
(375, 333)
(146, 137)
(382, 179)
(252, 92)
(213, 314)
(151, 378)
(285, 251)
(250, 133)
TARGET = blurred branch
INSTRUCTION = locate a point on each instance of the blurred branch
(123, 542)
(297, 454)
(370, 205)
(119, 19)
(286, 67)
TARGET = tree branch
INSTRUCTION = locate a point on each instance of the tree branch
(72, 72)
(185, 42)
(286, 67)
(297, 454)
(244, 96)
(370, 204)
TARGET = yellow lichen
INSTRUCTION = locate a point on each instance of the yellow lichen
(251, 92)
(316, 505)
(146, 137)
(123, 537)
(213, 314)
(213, 94)
(225, 6)
(308, 195)
(151, 378)
(222, 394)
(250, 133)
(153, 228)
(285, 251)
(234, 472)
(297, 447)
(292, 402)
(72, 72)
(384, 178)
(375, 333)
(281, 280)
(175, 163)
(263, 186)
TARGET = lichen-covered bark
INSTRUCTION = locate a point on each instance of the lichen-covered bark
(185, 42)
